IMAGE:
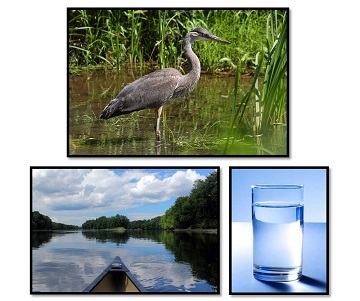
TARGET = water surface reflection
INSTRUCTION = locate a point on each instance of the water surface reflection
(197, 125)
(162, 261)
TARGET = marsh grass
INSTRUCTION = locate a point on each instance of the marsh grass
(239, 108)
(207, 140)
(269, 98)
(274, 94)
(140, 38)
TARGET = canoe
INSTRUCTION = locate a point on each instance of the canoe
(116, 278)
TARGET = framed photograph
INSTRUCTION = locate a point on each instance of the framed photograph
(279, 230)
(115, 230)
(178, 82)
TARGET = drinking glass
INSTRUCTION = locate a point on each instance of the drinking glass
(278, 224)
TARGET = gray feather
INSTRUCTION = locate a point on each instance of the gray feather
(150, 91)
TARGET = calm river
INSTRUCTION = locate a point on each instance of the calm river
(162, 261)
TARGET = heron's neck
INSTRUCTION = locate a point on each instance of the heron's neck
(194, 63)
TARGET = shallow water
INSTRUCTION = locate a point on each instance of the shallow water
(197, 125)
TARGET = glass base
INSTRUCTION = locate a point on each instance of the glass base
(277, 274)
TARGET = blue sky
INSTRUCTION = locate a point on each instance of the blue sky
(72, 196)
(313, 179)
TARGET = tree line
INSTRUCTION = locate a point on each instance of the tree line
(150, 224)
(200, 209)
(197, 210)
(104, 222)
(43, 222)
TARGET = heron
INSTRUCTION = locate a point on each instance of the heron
(154, 90)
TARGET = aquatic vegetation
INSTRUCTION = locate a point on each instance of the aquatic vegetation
(270, 98)
(116, 37)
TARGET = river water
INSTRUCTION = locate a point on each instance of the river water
(164, 262)
(197, 125)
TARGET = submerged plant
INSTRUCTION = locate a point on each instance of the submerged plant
(238, 109)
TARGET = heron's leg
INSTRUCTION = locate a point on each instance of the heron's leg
(157, 123)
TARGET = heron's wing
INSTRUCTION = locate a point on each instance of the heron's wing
(150, 91)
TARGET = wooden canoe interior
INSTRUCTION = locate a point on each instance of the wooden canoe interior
(115, 282)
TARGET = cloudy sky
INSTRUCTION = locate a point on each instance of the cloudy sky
(72, 196)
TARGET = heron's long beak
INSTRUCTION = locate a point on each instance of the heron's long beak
(217, 39)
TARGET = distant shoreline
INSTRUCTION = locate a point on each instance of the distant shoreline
(122, 230)
(210, 231)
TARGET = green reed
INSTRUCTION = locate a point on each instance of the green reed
(161, 42)
(274, 94)
(135, 53)
(269, 98)
(239, 108)
(114, 38)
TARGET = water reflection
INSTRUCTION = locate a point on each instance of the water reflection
(39, 238)
(107, 236)
(197, 125)
(197, 249)
(162, 261)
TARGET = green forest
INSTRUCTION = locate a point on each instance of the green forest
(43, 222)
(103, 222)
(198, 210)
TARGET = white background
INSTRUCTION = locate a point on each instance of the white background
(324, 98)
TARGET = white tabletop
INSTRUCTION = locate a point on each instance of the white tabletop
(314, 279)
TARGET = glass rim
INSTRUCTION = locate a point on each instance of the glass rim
(277, 186)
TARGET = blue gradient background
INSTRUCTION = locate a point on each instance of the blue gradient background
(314, 180)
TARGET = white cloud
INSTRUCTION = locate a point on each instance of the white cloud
(99, 190)
(152, 189)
